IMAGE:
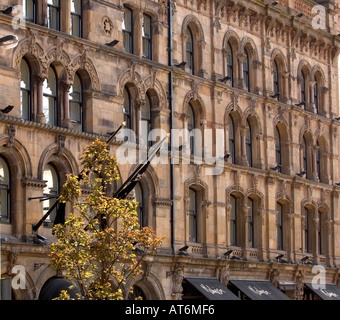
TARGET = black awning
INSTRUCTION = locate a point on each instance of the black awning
(329, 292)
(259, 290)
(211, 288)
(53, 287)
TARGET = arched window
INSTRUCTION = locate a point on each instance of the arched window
(25, 91)
(316, 95)
(304, 155)
(250, 222)
(147, 37)
(278, 149)
(146, 121)
(53, 14)
(127, 113)
(50, 175)
(76, 18)
(233, 221)
(230, 63)
(139, 199)
(76, 104)
(5, 189)
(191, 127)
(190, 49)
(318, 160)
(246, 74)
(29, 10)
(276, 81)
(249, 148)
(232, 139)
(193, 237)
(308, 229)
(127, 28)
(50, 103)
(320, 233)
(303, 90)
(279, 226)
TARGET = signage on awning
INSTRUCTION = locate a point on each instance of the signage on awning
(211, 288)
(259, 289)
(328, 291)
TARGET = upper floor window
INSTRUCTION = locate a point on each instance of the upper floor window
(249, 146)
(128, 30)
(76, 104)
(139, 199)
(230, 63)
(303, 89)
(279, 226)
(25, 91)
(190, 49)
(53, 14)
(232, 147)
(278, 150)
(233, 221)
(316, 95)
(304, 155)
(127, 111)
(76, 18)
(308, 229)
(50, 101)
(193, 215)
(147, 37)
(4, 192)
(51, 190)
(146, 122)
(320, 233)
(191, 127)
(276, 81)
(30, 10)
(250, 221)
(246, 71)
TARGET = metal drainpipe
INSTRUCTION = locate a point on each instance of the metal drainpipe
(172, 167)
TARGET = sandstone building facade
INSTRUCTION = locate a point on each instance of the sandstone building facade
(257, 72)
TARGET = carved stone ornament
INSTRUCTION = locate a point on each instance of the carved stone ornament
(107, 26)
(177, 279)
(11, 135)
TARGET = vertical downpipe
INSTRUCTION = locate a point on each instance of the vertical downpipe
(171, 88)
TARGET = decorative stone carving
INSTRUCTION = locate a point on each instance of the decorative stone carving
(177, 279)
(107, 26)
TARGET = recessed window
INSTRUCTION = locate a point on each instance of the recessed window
(76, 18)
(53, 14)
(249, 148)
(147, 37)
(276, 81)
(193, 215)
(29, 10)
(278, 150)
(230, 63)
(5, 216)
(25, 91)
(246, 71)
(233, 221)
(190, 49)
(316, 95)
(127, 30)
(250, 223)
(145, 122)
(303, 89)
(279, 226)
(139, 199)
(51, 190)
(231, 131)
(191, 127)
(308, 230)
(50, 89)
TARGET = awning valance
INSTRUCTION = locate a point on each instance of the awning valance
(211, 288)
(259, 289)
(327, 292)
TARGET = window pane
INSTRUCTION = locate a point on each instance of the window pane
(49, 110)
(192, 216)
(250, 223)
(25, 94)
(25, 105)
(29, 9)
(76, 6)
(51, 189)
(233, 215)
(75, 26)
(249, 144)
(279, 227)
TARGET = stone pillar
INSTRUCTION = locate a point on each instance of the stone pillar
(40, 97)
(244, 159)
(66, 102)
(177, 279)
(244, 217)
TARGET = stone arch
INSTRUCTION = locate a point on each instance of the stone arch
(151, 82)
(247, 42)
(62, 158)
(193, 21)
(231, 35)
(129, 75)
(196, 182)
(150, 285)
(236, 190)
(255, 120)
(305, 129)
(191, 95)
(304, 65)
(31, 47)
(278, 54)
(231, 107)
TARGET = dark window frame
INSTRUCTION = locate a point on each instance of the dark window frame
(128, 33)
(29, 93)
(80, 21)
(147, 39)
(8, 218)
(51, 7)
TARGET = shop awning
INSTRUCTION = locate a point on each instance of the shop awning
(211, 288)
(259, 290)
(329, 292)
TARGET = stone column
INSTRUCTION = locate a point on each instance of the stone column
(66, 101)
(244, 159)
(244, 217)
(40, 97)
